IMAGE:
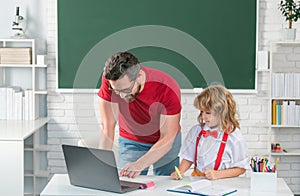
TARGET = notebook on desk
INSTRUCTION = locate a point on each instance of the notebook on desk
(204, 188)
(96, 169)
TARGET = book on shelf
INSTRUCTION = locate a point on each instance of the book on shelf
(274, 102)
(297, 115)
(29, 114)
(203, 187)
(18, 105)
(15, 50)
(291, 113)
(278, 114)
(15, 60)
(11, 101)
(3, 101)
(23, 107)
(284, 112)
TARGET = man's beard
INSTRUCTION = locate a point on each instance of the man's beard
(132, 97)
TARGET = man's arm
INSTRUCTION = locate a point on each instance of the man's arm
(168, 130)
(108, 122)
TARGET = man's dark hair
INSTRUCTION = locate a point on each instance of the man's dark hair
(121, 64)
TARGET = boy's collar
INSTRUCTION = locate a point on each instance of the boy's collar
(211, 128)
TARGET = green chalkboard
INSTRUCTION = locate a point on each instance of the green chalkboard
(198, 42)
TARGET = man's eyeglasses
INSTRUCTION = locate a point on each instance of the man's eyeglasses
(125, 91)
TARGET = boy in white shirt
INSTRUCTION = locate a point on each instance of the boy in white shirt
(215, 146)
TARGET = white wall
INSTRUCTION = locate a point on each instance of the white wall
(35, 14)
(75, 115)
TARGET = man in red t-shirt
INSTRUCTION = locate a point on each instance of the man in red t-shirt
(146, 104)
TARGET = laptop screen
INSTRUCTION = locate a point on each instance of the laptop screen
(93, 168)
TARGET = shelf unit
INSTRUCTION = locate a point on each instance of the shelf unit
(24, 142)
(295, 152)
(283, 61)
(27, 76)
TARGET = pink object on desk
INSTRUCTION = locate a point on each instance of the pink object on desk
(147, 185)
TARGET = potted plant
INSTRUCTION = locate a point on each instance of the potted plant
(291, 11)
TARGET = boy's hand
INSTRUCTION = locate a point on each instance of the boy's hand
(174, 176)
(211, 174)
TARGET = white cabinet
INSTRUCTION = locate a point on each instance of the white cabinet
(285, 97)
(23, 142)
(23, 149)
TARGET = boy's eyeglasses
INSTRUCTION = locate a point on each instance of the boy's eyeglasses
(125, 91)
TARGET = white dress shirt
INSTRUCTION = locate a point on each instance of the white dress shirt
(235, 153)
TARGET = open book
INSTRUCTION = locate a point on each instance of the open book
(203, 187)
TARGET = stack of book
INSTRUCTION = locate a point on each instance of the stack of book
(285, 113)
(16, 104)
(286, 85)
(15, 56)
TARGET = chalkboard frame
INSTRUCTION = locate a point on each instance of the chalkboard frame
(62, 88)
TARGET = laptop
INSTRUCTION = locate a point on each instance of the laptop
(95, 169)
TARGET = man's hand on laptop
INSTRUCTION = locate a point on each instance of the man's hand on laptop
(131, 170)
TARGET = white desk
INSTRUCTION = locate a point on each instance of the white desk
(60, 185)
(13, 134)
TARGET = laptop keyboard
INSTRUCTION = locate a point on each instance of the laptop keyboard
(129, 185)
(124, 187)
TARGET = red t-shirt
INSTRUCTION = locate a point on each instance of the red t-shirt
(139, 120)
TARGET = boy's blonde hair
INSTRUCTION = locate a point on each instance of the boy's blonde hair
(218, 100)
